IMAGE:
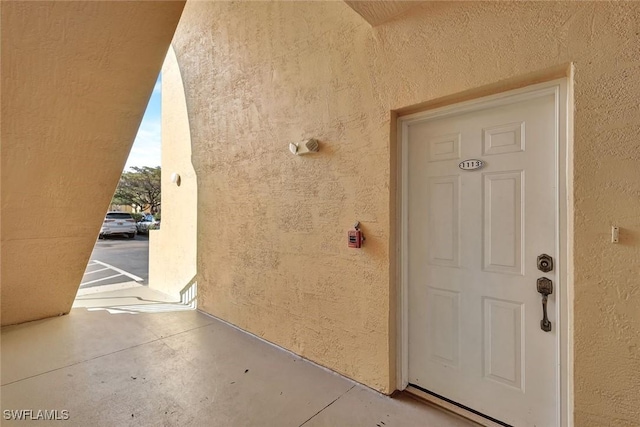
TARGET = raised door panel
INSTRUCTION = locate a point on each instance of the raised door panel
(444, 147)
(444, 326)
(444, 222)
(503, 139)
(503, 223)
(503, 342)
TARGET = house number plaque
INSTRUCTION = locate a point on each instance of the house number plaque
(470, 165)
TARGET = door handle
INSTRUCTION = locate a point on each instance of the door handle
(545, 287)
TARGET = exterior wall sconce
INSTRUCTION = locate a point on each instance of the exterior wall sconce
(304, 147)
(175, 179)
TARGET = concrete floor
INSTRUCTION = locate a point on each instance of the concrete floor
(132, 357)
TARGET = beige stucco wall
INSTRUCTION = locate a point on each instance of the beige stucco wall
(172, 249)
(76, 77)
(272, 253)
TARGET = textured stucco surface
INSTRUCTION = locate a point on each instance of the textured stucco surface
(76, 77)
(272, 255)
(172, 249)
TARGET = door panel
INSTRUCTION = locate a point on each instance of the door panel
(473, 238)
(503, 341)
(444, 147)
(443, 326)
(503, 197)
(502, 139)
(443, 221)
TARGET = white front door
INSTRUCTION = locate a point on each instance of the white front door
(473, 238)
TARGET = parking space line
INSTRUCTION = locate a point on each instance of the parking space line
(100, 280)
(133, 276)
(95, 271)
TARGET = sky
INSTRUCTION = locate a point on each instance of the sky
(146, 147)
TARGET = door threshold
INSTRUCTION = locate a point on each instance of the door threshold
(463, 411)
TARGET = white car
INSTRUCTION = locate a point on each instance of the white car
(146, 223)
(118, 223)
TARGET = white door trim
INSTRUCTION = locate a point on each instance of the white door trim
(561, 89)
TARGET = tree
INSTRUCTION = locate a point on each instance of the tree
(139, 187)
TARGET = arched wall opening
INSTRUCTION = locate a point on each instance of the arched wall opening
(172, 248)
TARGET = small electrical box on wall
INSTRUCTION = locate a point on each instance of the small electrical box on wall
(356, 238)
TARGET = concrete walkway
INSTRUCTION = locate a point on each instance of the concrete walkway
(113, 362)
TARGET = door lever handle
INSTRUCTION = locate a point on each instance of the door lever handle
(545, 288)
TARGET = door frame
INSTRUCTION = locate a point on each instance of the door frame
(562, 91)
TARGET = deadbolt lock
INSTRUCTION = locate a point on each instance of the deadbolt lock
(545, 263)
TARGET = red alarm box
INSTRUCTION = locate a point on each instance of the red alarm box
(355, 239)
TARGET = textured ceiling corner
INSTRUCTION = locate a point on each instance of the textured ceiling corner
(379, 12)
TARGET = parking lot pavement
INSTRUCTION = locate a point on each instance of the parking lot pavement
(100, 273)
(117, 260)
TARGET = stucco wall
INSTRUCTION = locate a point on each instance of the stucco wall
(76, 77)
(172, 249)
(272, 255)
